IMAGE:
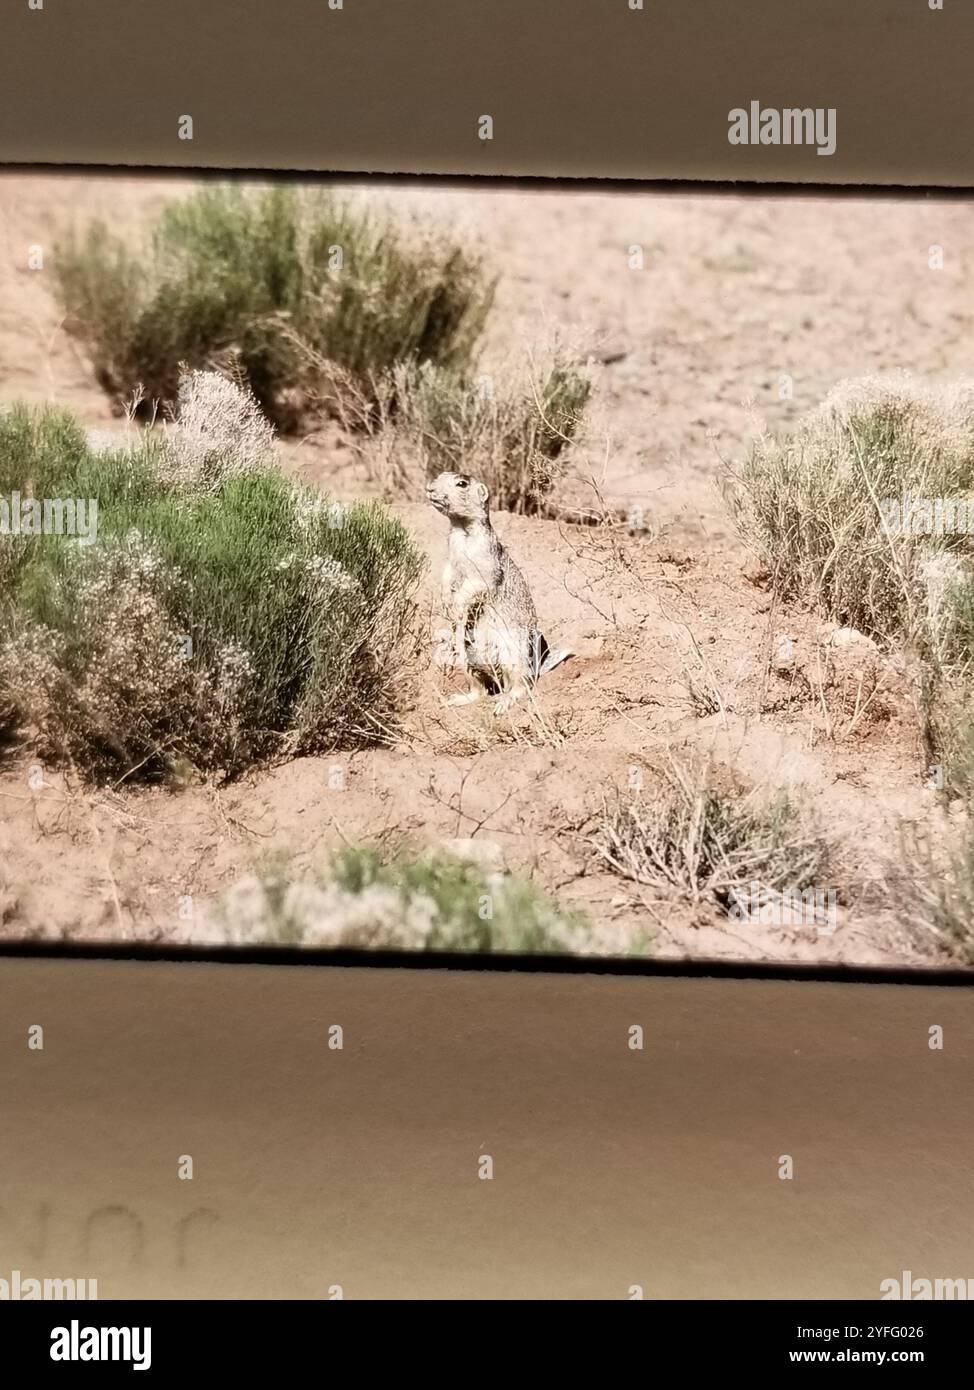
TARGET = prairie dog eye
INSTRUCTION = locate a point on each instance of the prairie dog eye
(461, 482)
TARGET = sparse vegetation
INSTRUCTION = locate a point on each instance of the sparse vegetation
(403, 901)
(812, 504)
(710, 843)
(817, 507)
(215, 625)
(211, 631)
(512, 431)
(233, 274)
(939, 885)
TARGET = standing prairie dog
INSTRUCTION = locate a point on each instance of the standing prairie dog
(488, 603)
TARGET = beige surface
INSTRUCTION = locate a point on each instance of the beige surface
(575, 88)
(359, 1167)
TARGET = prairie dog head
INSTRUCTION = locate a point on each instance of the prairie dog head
(459, 497)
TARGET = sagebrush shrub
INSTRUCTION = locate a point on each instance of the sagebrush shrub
(817, 508)
(936, 891)
(214, 626)
(513, 430)
(273, 279)
(812, 503)
(218, 431)
(706, 841)
(416, 902)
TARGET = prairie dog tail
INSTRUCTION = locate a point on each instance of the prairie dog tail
(553, 659)
(543, 659)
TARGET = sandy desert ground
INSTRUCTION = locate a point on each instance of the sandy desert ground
(736, 291)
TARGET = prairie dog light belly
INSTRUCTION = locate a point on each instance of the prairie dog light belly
(494, 644)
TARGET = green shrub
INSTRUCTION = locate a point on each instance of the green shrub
(251, 275)
(214, 626)
(512, 431)
(404, 901)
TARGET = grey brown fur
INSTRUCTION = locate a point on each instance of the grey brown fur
(487, 600)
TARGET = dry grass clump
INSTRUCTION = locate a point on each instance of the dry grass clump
(728, 846)
(937, 896)
(514, 431)
(868, 512)
(947, 718)
(210, 626)
(817, 505)
(248, 274)
(403, 901)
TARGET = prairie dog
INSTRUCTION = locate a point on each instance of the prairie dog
(487, 600)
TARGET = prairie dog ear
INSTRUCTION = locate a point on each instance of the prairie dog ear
(483, 492)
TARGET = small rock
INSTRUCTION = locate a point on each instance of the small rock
(852, 637)
(611, 355)
(783, 654)
(486, 854)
